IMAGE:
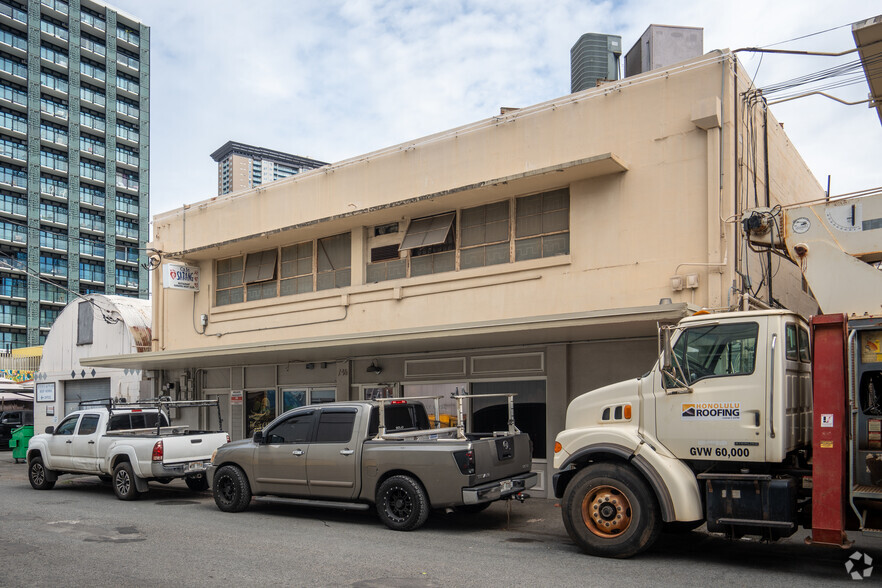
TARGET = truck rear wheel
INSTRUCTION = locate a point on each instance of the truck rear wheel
(37, 475)
(232, 493)
(609, 511)
(124, 482)
(402, 503)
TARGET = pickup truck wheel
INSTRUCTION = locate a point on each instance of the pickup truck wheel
(402, 503)
(197, 483)
(608, 510)
(232, 493)
(37, 475)
(124, 482)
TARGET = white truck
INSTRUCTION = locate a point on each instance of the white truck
(127, 444)
(754, 421)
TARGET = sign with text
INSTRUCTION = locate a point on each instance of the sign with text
(46, 392)
(180, 276)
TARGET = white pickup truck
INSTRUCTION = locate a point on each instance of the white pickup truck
(128, 444)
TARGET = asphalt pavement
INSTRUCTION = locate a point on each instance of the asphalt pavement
(79, 534)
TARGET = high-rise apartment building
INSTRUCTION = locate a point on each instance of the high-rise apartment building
(74, 161)
(241, 166)
(594, 57)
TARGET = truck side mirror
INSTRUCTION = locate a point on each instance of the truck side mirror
(258, 437)
(50, 429)
(665, 334)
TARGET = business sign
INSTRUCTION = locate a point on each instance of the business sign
(712, 411)
(46, 392)
(180, 276)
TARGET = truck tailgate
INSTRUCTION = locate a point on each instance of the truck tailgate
(502, 457)
(191, 447)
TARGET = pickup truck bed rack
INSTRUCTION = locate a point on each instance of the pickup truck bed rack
(438, 430)
(163, 404)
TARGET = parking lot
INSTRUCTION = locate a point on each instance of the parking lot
(80, 534)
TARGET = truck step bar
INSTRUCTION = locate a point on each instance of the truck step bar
(866, 491)
(757, 523)
(319, 503)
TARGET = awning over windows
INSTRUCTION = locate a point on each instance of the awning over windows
(424, 232)
(539, 330)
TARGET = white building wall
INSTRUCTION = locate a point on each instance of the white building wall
(61, 354)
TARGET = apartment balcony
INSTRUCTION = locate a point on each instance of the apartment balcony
(51, 295)
(95, 249)
(13, 43)
(13, 17)
(54, 111)
(13, 98)
(93, 24)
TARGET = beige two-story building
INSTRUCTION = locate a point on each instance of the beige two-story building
(533, 252)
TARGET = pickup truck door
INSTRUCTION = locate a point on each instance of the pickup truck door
(331, 465)
(60, 443)
(280, 461)
(84, 445)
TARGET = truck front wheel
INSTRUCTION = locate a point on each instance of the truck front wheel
(232, 493)
(609, 511)
(402, 503)
(37, 475)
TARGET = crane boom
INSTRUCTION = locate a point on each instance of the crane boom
(836, 245)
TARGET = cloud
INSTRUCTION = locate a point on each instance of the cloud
(331, 80)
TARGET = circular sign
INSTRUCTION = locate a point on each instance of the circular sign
(801, 225)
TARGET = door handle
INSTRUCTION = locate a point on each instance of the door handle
(297, 452)
(91, 443)
(346, 452)
(68, 441)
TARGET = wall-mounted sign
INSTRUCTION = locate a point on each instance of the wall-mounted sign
(50, 410)
(46, 392)
(236, 397)
(180, 276)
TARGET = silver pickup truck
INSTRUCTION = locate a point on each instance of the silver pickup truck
(380, 453)
(126, 443)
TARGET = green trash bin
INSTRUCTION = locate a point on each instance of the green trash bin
(19, 442)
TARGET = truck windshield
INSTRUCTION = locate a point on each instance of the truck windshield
(717, 350)
(135, 420)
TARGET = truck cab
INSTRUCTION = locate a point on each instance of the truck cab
(727, 407)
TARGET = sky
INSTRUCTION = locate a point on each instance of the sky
(332, 79)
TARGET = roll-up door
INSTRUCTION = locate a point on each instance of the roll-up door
(76, 391)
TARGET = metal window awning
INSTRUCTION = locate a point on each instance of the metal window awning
(424, 232)
(868, 40)
(619, 323)
(260, 266)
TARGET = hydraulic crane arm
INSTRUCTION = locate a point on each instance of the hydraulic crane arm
(835, 244)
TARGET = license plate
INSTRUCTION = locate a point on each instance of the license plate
(196, 466)
(506, 485)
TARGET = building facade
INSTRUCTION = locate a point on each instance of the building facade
(534, 252)
(74, 159)
(96, 324)
(240, 166)
(594, 57)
